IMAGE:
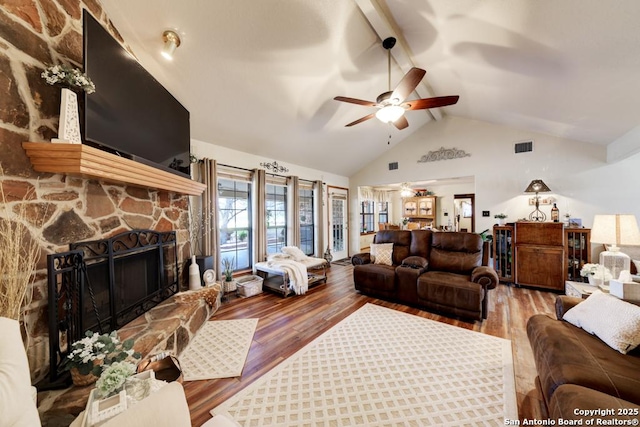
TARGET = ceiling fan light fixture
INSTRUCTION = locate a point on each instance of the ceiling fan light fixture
(171, 41)
(405, 190)
(389, 113)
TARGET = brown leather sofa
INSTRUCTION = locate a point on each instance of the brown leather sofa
(446, 272)
(578, 370)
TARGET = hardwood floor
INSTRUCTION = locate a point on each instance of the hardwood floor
(288, 324)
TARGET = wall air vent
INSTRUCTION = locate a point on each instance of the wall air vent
(393, 166)
(524, 147)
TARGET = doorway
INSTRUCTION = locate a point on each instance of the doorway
(338, 226)
(464, 212)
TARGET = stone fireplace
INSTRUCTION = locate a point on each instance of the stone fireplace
(126, 275)
(103, 285)
(61, 209)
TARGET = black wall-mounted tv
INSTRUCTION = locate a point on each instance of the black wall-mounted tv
(131, 113)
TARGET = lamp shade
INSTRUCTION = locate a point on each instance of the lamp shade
(615, 230)
(537, 186)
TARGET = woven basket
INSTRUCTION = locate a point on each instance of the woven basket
(231, 286)
(81, 380)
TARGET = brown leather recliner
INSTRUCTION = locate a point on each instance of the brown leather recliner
(441, 271)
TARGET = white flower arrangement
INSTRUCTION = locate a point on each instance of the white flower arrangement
(113, 378)
(597, 271)
(68, 77)
(93, 346)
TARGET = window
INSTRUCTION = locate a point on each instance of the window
(306, 221)
(276, 218)
(383, 212)
(366, 216)
(234, 218)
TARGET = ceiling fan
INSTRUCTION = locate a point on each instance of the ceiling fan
(392, 105)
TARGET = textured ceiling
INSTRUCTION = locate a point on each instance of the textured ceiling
(260, 76)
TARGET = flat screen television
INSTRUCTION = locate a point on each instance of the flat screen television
(131, 113)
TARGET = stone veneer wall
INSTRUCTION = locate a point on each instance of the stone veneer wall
(35, 34)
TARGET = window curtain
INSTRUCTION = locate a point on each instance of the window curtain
(259, 182)
(368, 193)
(318, 203)
(210, 246)
(294, 197)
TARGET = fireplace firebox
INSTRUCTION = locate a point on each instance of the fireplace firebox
(102, 285)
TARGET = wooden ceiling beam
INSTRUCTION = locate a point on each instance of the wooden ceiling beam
(383, 26)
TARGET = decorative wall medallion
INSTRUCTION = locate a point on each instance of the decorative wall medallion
(443, 154)
(274, 167)
(69, 126)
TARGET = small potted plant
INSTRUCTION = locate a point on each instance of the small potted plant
(89, 355)
(227, 271)
(501, 218)
(113, 378)
(597, 274)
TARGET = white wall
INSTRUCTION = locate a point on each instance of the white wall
(577, 173)
(236, 158)
(444, 202)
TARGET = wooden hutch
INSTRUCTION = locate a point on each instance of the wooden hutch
(420, 209)
(540, 254)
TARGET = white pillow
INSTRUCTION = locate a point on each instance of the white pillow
(295, 253)
(17, 407)
(614, 321)
(384, 250)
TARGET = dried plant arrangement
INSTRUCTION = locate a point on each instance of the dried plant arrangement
(19, 254)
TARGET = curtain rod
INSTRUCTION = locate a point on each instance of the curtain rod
(267, 173)
(235, 167)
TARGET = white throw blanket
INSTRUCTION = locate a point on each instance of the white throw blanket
(297, 272)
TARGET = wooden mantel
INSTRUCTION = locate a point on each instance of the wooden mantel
(90, 162)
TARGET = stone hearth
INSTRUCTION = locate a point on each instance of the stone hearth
(169, 327)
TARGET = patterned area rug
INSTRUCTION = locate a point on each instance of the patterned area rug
(219, 350)
(344, 262)
(381, 367)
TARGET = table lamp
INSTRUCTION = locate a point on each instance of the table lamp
(614, 230)
(537, 186)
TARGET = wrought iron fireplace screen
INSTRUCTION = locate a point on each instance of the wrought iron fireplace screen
(102, 285)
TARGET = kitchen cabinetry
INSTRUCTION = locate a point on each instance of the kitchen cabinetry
(540, 254)
(577, 247)
(420, 208)
(503, 253)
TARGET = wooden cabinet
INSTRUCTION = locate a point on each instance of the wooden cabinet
(503, 254)
(577, 247)
(540, 255)
(420, 208)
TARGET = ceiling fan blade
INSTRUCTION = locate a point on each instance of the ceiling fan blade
(361, 119)
(401, 123)
(407, 85)
(355, 101)
(438, 101)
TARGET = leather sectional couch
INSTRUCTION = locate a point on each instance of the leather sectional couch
(442, 271)
(578, 371)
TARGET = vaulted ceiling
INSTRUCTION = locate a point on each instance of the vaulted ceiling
(260, 76)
